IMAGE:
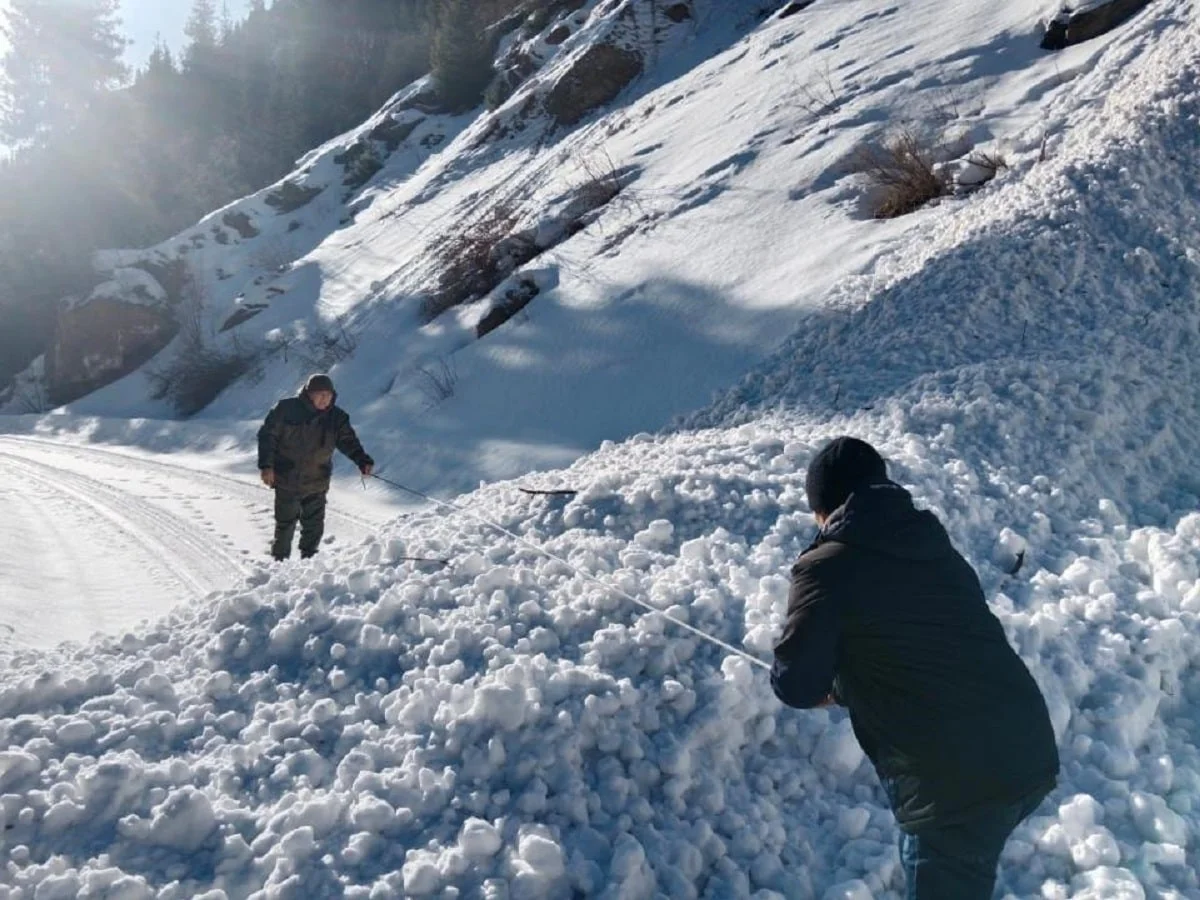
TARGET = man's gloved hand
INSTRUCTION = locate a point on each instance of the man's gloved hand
(268, 477)
(367, 469)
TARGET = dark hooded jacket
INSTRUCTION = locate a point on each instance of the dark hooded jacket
(297, 440)
(889, 618)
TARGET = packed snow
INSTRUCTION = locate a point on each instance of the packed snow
(374, 723)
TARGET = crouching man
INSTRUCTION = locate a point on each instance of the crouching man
(887, 619)
(295, 458)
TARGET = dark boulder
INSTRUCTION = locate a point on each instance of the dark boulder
(597, 77)
(1069, 27)
(98, 342)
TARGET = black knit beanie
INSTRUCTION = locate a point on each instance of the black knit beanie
(318, 383)
(841, 466)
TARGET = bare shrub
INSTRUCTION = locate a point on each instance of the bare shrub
(989, 161)
(902, 171)
(202, 365)
(32, 397)
(326, 347)
(819, 97)
(602, 183)
(201, 368)
(477, 258)
(438, 382)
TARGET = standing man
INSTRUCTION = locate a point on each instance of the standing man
(295, 458)
(887, 619)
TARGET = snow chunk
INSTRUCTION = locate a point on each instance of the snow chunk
(15, 766)
(838, 750)
(1107, 883)
(421, 876)
(853, 822)
(849, 890)
(76, 733)
(183, 821)
(658, 534)
(1156, 821)
(479, 839)
(541, 855)
(501, 705)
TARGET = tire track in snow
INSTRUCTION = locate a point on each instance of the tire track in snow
(248, 490)
(193, 559)
(50, 559)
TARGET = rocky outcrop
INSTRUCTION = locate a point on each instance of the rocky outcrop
(392, 132)
(289, 197)
(514, 300)
(792, 8)
(678, 12)
(361, 163)
(596, 78)
(97, 342)
(240, 222)
(1076, 26)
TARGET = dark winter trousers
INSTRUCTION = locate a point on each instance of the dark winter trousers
(309, 511)
(958, 862)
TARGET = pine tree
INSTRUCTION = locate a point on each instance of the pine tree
(61, 59)
(160, 67)
(226, 25)
(461, 55)
(202, 34)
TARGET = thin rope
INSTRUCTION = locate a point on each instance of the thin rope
(608, 587)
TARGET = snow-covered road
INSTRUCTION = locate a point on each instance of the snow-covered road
(94, 539)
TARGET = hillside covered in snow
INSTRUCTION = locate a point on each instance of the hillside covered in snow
(505, 288)
(445, 709)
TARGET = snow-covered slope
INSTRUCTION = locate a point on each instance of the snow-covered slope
(505, 726)
(702, 214)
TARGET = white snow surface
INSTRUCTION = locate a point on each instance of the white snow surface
(507, 726)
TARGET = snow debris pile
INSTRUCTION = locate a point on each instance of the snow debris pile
(362, 725)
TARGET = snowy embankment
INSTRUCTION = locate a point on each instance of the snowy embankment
(501, 727)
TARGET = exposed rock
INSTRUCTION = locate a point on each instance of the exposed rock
(1070, 27)
(242, 314)
(515, 300)
(544, 15)
(172, 275)
(96, 343)
(558, 35)
(794, 7)
(392, 133)
(679, 12)
(597, 77)
(289, 197)
(361, 163)
(240, 222)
